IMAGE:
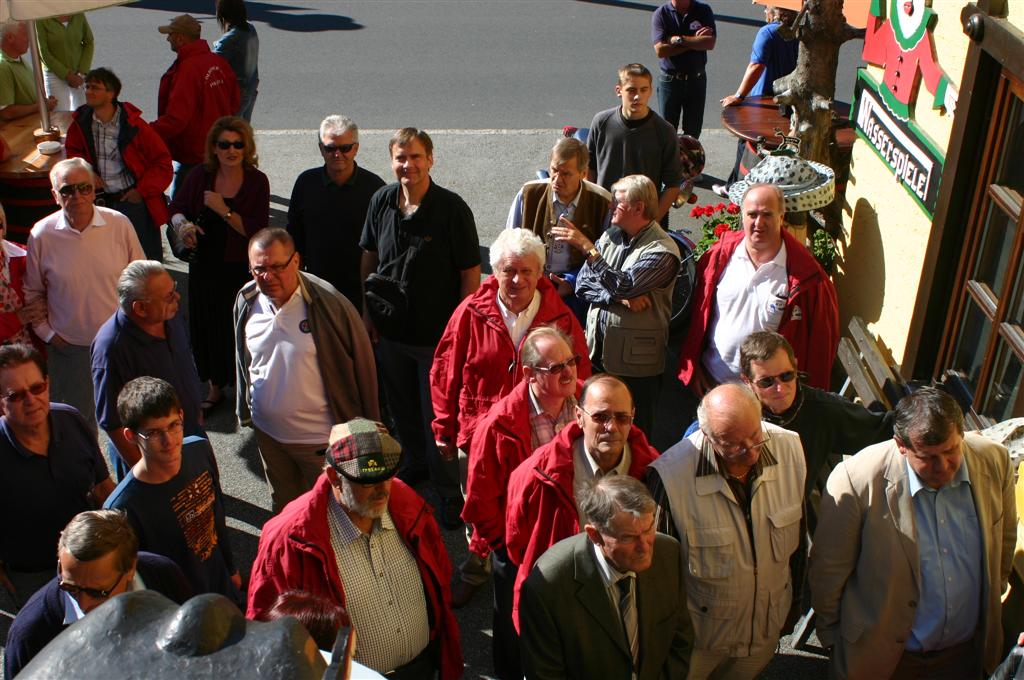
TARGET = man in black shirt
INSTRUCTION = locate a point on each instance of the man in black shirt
(328, 208)
(422, 238)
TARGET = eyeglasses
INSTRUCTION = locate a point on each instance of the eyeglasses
(224, 146)
(331, 149)
(75, 590)
(738, 449)
(69, 190)
(555, 369)
(34, 389)
(260, 270)
(769, 380)
(604, 418)
(169, 432)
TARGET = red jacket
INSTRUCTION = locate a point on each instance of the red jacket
(142, 151)
(476, 363)
(810, 320)
(196, 90)
(541, 507)
(295, 553)
(16, 257)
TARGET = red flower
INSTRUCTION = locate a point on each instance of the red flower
(696, 212)
(720, 206)
(709, 210)
(733, 209)
(720, 229)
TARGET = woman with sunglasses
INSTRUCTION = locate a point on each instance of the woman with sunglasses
(15, 315)
(221, 204)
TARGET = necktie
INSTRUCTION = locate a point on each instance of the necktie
(627, 609)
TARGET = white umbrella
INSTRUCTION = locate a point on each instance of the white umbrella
(30, 10)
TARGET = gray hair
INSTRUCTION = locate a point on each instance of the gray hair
(9, 27)
(530, 354)
(740, 390)
(780, 196)
(94, 534)
(133, 283)
(928, 415)
(267, 236)
(614, 494)
(62, 168)
(516, 243)
(639, 188)
(336, 125)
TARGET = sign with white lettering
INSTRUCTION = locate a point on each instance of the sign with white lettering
(915, 162)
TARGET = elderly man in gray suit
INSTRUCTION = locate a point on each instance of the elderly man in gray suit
(913, 549)
(610, 602)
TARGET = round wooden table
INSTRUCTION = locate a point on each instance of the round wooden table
(25, 173)
(759, 116)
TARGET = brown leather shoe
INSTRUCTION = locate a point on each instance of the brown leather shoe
(462, 593)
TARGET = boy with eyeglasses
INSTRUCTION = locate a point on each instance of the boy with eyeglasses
(172, 496)
(826, 422)
(52, 470)
(732, 493)
(97, 558)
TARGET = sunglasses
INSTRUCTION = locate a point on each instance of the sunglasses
(224, 146)
(75, 590)
(769, 380)
(331, 149)
(69, 190)
(555, 369)
(19, 395)
(602, 418)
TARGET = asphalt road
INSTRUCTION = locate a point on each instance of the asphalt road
(494, 82)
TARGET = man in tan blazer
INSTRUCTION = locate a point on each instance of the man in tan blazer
(913, 549)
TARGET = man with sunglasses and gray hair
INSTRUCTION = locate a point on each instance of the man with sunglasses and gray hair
(98, 558)
(328, 208)
(545, 491)
(75, 258)
(732, 493)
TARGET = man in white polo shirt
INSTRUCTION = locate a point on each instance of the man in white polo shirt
(303, 363)
(75, 258)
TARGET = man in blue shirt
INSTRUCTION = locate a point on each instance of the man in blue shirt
(913, 548)
(172, 495)
(145, 336)
(682, 32)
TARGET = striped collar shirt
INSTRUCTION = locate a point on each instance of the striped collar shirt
(109, 164)
(383, 590)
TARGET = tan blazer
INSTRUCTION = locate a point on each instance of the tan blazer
(865, 565)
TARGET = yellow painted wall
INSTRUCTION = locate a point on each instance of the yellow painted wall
(885, 232)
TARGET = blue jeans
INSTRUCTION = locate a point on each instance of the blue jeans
(686, 97)
(181, 171)
(148, 233)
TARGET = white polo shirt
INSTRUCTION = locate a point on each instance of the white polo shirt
(747, 299)
(288, 398)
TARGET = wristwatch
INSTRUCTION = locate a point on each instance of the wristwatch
(592, 253)
(228, 214)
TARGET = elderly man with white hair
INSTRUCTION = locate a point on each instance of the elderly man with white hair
(17, 85)
(732, 493)
(477, 361)
(75, 257)
(628, 278)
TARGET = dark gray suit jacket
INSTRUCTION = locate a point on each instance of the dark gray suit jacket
(570, 628)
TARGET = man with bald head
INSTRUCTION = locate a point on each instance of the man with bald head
(732, 493)
(759, 279)
(544, 492)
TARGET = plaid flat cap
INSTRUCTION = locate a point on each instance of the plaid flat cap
(363, 452)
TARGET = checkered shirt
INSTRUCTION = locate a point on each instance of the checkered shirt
(543, 427)
(109, 164)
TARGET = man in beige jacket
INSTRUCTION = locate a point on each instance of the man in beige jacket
(913, 549)
(732, 493)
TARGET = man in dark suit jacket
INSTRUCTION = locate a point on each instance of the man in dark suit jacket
(610, 602)
(95, 548)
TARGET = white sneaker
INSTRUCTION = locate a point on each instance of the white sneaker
(721, 190)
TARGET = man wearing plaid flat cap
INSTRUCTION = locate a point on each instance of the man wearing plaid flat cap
(371, 544)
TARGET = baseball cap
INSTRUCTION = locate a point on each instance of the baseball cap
(363, 452)
(185, 24)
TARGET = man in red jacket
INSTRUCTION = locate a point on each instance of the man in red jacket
(196, 90)
(544, 491)
(131, 161)
(477, 361)
(527, 418)
(760, 279)
(358, 521)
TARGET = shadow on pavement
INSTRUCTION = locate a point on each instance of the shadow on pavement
(274, 15)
